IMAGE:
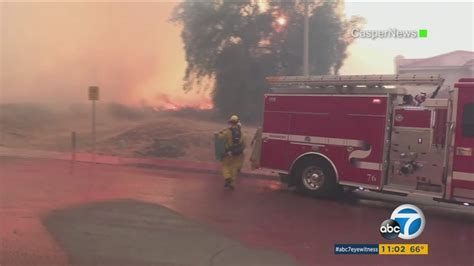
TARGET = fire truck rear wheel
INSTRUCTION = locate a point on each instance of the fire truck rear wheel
(317, 178)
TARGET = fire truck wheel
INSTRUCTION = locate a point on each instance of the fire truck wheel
(316, 178)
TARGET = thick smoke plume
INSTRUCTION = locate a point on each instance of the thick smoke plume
(51, 52)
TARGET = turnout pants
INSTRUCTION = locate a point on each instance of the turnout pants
(231, 166)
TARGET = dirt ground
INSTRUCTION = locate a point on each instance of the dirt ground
(121, 130)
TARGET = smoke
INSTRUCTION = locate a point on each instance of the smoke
(51, 52)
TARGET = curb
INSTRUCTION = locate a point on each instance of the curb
(244, 174)
(166, 164)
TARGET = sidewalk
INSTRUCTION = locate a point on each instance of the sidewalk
(168, 164)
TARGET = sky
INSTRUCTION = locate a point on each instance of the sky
(51, 52)
(450, 27)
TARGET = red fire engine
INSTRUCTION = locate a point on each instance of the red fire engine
(325, 132)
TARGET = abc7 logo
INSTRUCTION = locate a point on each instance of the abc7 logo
(407, 222)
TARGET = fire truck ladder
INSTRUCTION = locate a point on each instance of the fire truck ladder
(354, 80)
(351, 84)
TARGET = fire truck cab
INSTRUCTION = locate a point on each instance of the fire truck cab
(324, 132)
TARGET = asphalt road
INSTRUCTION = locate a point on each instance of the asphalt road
(114, 215)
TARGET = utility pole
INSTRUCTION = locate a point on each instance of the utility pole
(306, 40)
(93, 96)
(73, 151)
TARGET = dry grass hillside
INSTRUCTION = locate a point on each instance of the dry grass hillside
(121, 130)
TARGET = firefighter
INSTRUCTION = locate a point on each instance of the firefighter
(234, 151)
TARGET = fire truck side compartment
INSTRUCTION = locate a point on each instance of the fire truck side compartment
(352, 138)
(416, 161)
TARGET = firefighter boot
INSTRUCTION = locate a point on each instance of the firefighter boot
(231, 185)
(227, 183)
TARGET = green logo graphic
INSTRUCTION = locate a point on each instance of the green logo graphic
(423, 33)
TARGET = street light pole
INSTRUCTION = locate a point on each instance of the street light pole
(306, 40)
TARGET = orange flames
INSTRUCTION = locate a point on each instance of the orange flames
(164, 102)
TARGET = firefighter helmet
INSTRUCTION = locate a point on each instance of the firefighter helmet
(234, 119)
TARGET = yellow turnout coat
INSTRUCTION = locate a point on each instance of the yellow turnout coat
(231, 164)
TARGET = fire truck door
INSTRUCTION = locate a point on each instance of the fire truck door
(463, 158)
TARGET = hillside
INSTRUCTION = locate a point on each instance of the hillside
(121, 130)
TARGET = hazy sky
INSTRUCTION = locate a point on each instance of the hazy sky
(449, 24)
(54, 51)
